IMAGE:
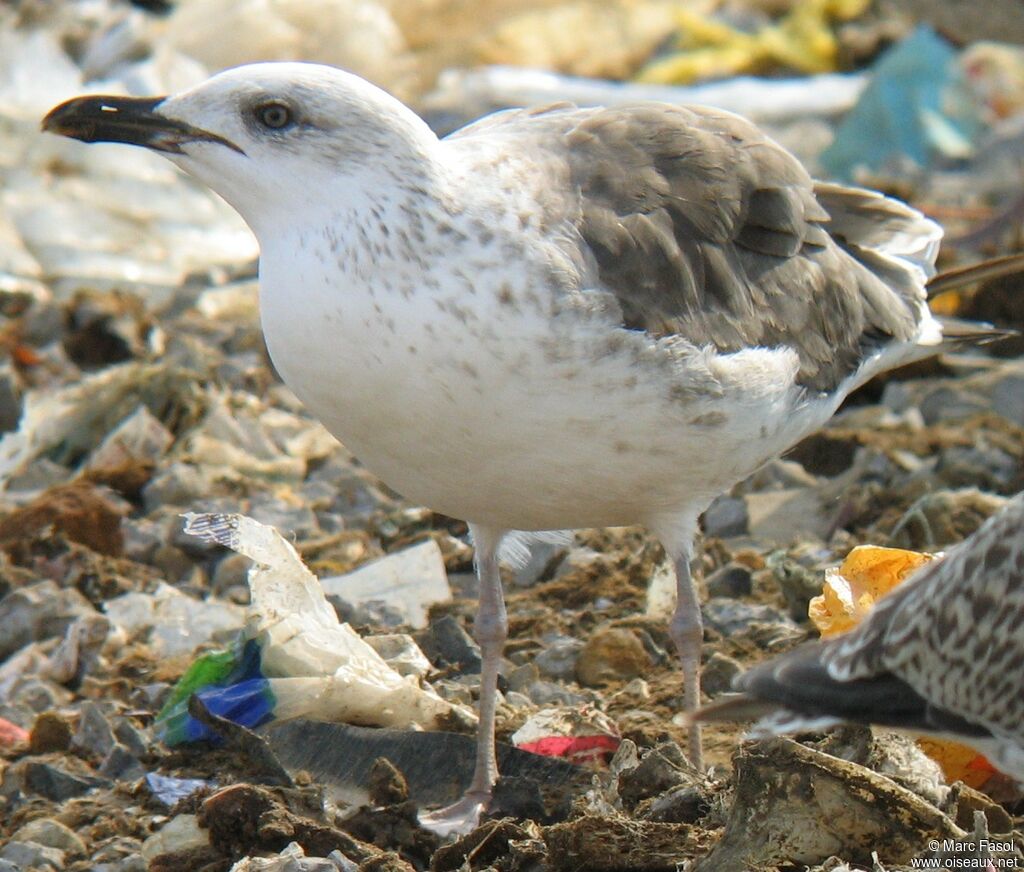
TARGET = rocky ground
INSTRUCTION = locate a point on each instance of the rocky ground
(133, 359)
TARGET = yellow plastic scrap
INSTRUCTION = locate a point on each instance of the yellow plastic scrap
(867, 574)
(802, 40)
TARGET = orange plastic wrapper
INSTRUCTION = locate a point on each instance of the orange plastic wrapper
(868, 573)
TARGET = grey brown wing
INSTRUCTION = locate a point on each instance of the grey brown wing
(703, 227)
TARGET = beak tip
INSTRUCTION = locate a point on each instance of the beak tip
(65, 119)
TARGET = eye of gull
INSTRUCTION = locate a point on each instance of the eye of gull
(274, 115)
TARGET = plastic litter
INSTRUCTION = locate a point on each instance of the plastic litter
(801, 40)
(179, 622)
(470, 93)
(908, 110)
(293, 659)
(579, 735)
(170, 790)
(11, 733)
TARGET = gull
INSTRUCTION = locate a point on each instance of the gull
(941, 655)
(554, 318)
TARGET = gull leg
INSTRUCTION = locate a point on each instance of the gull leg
(490, 631)
(687, 631)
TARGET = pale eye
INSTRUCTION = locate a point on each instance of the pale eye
(274, 116)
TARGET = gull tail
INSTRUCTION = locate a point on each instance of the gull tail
(800, 687)
(957, 333)
(797, 692)
(986, 270)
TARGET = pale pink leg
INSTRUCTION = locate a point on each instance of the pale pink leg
(490, 631)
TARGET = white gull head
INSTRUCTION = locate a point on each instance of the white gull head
(273, 139)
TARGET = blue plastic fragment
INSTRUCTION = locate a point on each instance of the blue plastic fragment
(170, 790)
(909, 108)
(240, 694)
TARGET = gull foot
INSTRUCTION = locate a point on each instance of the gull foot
(458, 819)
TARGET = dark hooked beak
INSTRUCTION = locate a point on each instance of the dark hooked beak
(131, 120)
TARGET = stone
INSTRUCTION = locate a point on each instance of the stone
(51, 834)
(142, 537)
(778, 474)
(179, 622)
(94, 736)
(133, 739)
(132, 863)
(29, 855)
(10, 399)
(173, 563)
(988, 468)
(40, 694)
(717, 674)
(733, 580)
(660, 769)
(139, 438)
(545, 693)
(54, 783)
(232, 571)
(300, 520)
(799, 584)
(1008, 395)
(181, 833)
(520, 678)
(727, 516)
(682, 805)
(612, 654)
(180, 484)
(79, 650)
(119, 849)
(119, 765)
(946, 403)
(446, 643)
(151, 696)
(408, 581)
(784, 515)
(558, 660)
(37, 612)
(732, 617)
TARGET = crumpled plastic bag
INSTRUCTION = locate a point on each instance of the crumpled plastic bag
(293, 659)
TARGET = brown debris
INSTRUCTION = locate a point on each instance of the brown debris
(615, 842)
(793, 804)
(387, 785)
(243, 817)
(50, 732)
(612, 654)
(501, 844)
(82, 511)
